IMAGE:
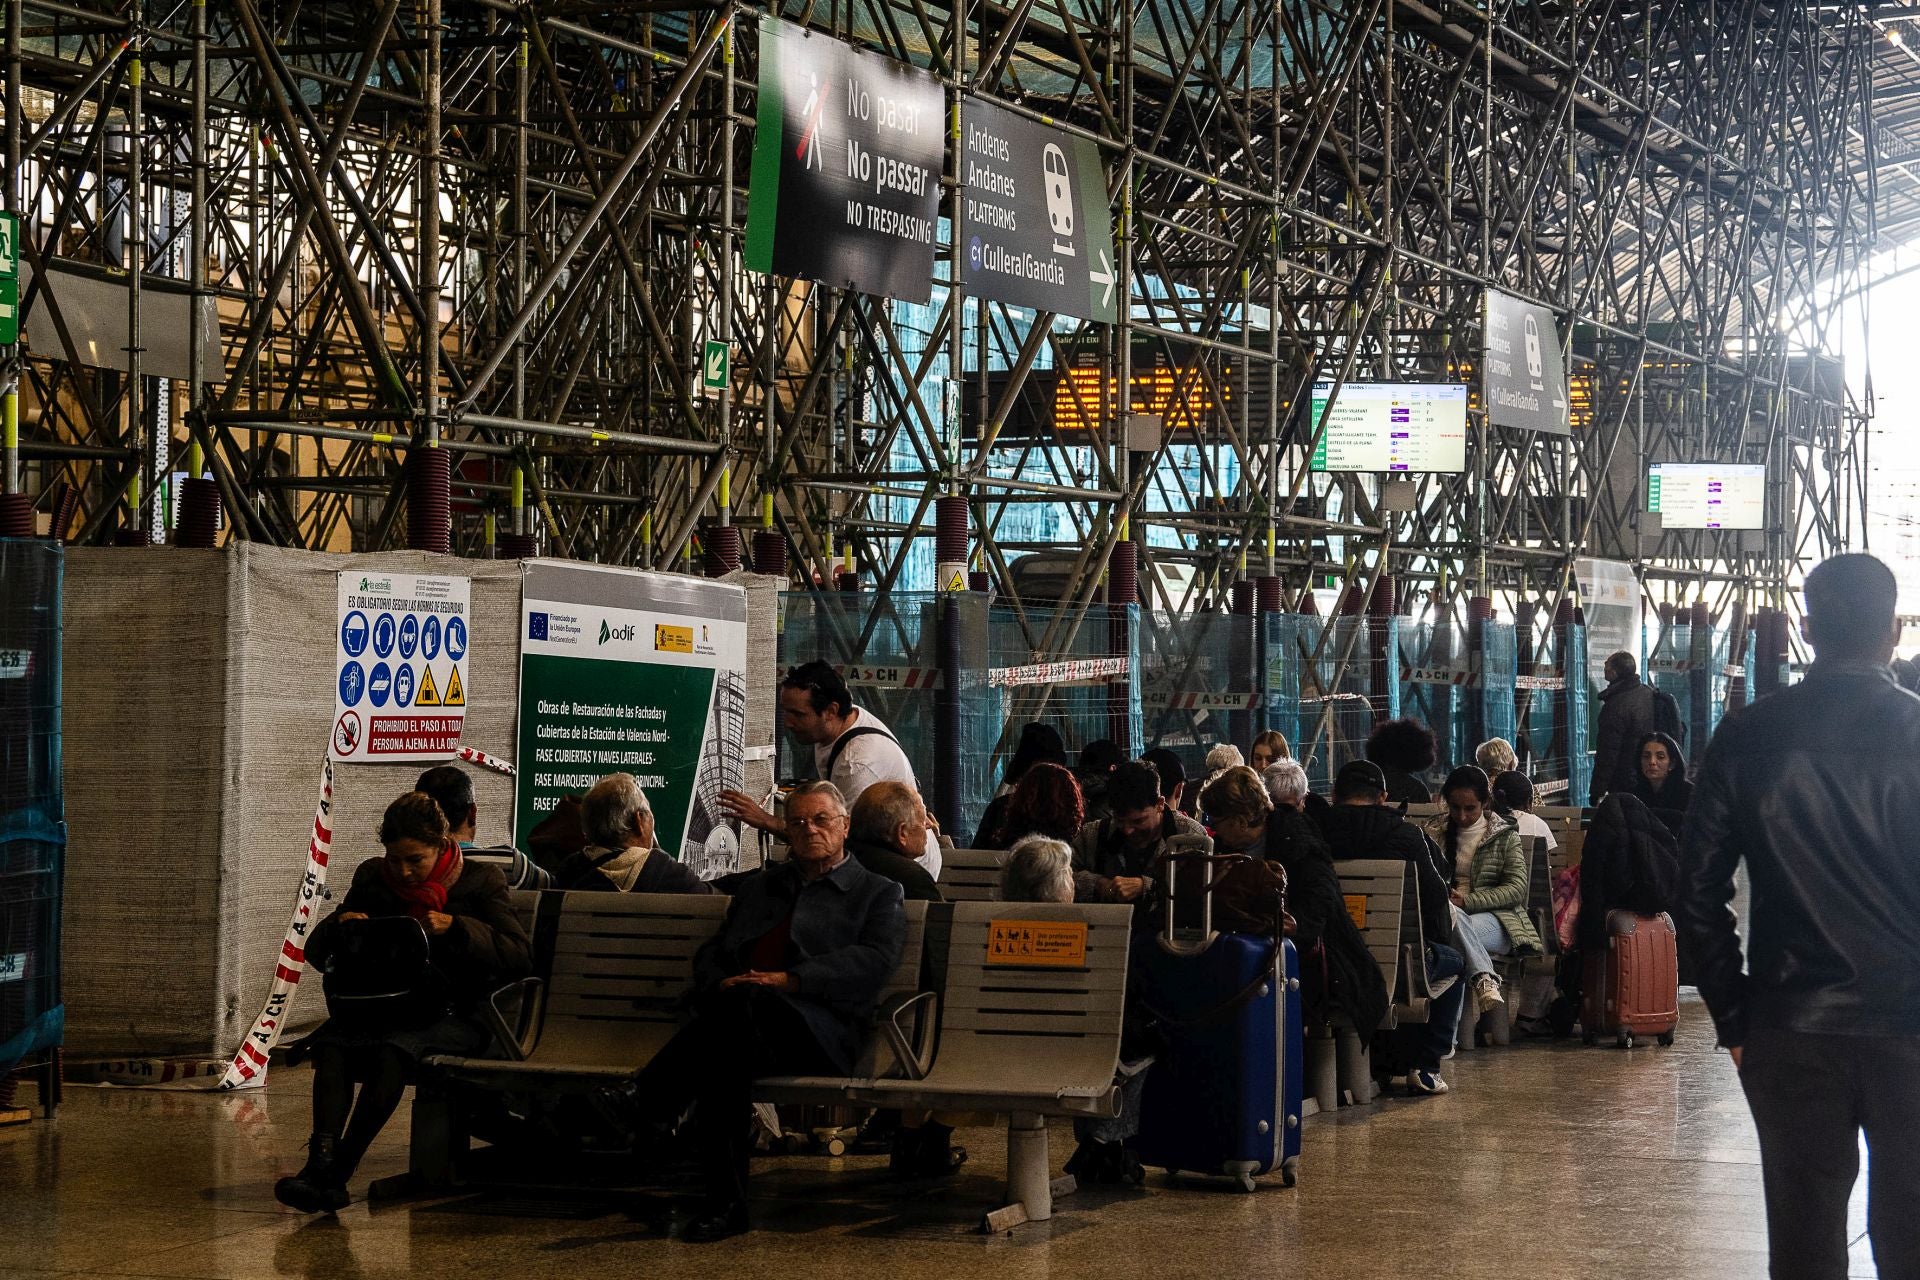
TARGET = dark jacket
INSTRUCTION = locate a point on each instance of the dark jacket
(890, 863)
(848, 928)
(1337, 971)
(1404, 788)
(1670, 800)
(1093, 794)
(658, 874)
(1629, 862)
(485, 949)
(1380, 831)
(1626, 716)
(1099, 855)
(1816, 788)
(983, 835)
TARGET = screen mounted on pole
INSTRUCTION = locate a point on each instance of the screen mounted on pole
(1390, 426)
(1708, 495)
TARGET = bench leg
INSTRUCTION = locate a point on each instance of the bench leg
(1499, 1025)
(1030, 1187)
(1469, 1019)
(1323, 1074)
(1354, 1067)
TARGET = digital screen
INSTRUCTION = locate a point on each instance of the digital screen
(1708, 495)
(1391, 426)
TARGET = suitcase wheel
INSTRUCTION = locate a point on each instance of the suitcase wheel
(1665, 1037)
(836, 1146)
(1290, 1171)
(1624, 1040)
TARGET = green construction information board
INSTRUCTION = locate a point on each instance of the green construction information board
(640, 673)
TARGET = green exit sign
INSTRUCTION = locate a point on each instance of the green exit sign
(9, 246)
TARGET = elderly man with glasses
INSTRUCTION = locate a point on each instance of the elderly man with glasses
(786, 988)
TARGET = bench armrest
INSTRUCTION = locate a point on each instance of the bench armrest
(517, 1047)
(914, 1062)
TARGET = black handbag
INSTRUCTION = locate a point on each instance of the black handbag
(379, 976)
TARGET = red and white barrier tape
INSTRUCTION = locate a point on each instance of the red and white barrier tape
(1539, 682)
(248, 1070)
(473, 755)
(1071, 670)
(1203, 701)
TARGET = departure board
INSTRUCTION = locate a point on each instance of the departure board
(1708, 495)
(1391, 426)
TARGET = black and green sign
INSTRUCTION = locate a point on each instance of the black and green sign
(1034, 219)
(846, 166)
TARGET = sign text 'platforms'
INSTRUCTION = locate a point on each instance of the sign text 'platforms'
(1524, 379)
(1035, 229)
(846, 166)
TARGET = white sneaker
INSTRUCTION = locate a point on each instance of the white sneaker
(1487, 988)
(1421, 1083)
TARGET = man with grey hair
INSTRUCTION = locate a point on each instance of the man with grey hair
(620, 857)
(888, 829)
(1287, 784)
(1038, 869)
(787, 987)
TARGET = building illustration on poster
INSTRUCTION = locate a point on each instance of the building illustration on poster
(400, 667)
(641, 673)
(846, 167)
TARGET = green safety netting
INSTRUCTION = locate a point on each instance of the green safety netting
(33, 830)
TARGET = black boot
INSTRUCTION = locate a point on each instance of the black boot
(926, 1152)
(321, 1184)
(1108, 1164)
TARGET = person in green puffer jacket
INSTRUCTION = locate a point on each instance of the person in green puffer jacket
(1489, 887)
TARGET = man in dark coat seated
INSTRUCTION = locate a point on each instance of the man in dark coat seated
(786, 988)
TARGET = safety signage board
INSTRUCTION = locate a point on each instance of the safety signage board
(845, 185)
(640, 673)
(714, 369)
(400, 667)
(1048, 944)
(1525, 381)
(9, 246)
(1035, 221)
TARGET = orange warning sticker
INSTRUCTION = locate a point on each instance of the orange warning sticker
(1058, 944)
(1357, 908)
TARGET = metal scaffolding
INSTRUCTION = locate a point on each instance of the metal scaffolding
(505, 231)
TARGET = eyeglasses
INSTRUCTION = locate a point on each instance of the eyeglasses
(822, 823)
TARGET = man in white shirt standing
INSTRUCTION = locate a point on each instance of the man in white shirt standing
(852, 747)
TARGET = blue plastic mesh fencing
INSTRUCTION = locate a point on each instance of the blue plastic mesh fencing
(33, 830)
(1431, 657)
(1338, 705)
(1494, 707)
(1670, 666)
(1573, 668)
(889, 647)
(1198, 673)
(1289, 638)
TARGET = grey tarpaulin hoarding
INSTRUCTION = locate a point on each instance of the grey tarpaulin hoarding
(846, 166)
(1525, 379)
(1034, 221)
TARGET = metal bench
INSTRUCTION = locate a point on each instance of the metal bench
(1383, 896)
(1029, 1027)
(971, 875)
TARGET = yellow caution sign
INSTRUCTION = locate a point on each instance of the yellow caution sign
(1357, 908)
(1053, 944)
(456, 692)
(429, 696)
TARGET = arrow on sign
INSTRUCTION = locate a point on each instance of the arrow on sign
(1103, 276)
(716, 364)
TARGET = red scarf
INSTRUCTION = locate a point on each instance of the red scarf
(430, 894)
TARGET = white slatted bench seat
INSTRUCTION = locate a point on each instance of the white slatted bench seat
(971, 875)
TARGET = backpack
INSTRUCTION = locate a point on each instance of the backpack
(846, 739)
(379, 977)
(1666, 716)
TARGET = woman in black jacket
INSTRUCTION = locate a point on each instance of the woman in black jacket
(1661, 783)
(474, 946)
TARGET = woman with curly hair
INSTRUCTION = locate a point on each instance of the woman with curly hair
(1047, 802)
(1404, 749)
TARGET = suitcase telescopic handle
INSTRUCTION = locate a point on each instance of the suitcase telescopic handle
(1194, 851)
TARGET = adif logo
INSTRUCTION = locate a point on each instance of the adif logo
(607, 633)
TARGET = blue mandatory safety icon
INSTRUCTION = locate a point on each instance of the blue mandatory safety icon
(379, 684)
(353, 683)
(403, 686)
(383, 635)
(409, 635)
(353, 633)
(456, 639)
(430, 637)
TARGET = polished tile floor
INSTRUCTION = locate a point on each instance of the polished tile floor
(1545, 1161)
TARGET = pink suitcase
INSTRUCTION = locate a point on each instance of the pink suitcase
(1632, 989)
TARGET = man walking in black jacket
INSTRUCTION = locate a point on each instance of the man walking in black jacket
(1816, 788)
(1626, 716)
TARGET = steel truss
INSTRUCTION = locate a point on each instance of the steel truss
(507, 229)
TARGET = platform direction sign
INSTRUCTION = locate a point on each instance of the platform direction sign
(1525, 381)
(1035, 224)
(400, 666)
(714, 369)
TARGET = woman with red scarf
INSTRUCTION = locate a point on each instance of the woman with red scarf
(474, 946)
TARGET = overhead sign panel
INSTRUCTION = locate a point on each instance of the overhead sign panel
(1390, 426)
(846, 166)
(1708, 495)
(1035, 225)
(1525, 380)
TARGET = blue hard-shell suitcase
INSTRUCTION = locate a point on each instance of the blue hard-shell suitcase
(1224, 1096)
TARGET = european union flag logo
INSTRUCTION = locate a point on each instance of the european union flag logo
(536, 626)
